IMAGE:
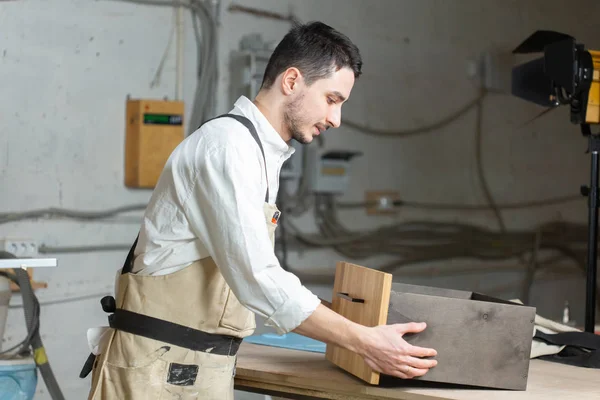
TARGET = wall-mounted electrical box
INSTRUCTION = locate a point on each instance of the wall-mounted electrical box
(247, 66)
(329, 172)
(153, 129)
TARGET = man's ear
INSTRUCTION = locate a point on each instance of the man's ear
(290, 80)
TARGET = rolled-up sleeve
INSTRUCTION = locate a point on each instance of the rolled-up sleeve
(225, 210)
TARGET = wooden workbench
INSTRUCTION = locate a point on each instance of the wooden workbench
(305, 375)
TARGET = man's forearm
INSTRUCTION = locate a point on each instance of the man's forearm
(382, 347)
(328, 326)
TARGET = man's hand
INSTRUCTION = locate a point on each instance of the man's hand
(382, 347)
(385, 351)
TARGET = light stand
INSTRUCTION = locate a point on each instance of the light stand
(593, 196)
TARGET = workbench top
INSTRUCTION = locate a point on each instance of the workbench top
(303, 375)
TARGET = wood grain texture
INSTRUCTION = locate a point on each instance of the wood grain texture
(284, 371)
(371, 286)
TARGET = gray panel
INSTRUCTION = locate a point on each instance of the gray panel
(478, 343)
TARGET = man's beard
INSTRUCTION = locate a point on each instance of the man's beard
(292, 116)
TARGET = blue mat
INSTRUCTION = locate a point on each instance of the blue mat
(288, 341)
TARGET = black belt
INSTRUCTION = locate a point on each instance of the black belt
(163, 331)
(175, 334)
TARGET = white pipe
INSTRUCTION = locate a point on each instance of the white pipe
(27, 262)
(179, 54)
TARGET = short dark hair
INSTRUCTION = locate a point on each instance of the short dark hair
(316, 49)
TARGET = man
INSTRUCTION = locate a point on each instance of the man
(204, 263)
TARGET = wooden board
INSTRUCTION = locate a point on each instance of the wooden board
(34, 285)
(373, 288)
(291, 373)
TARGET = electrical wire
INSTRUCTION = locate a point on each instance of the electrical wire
(480, 171)
(531, 270)
(65, 213)
(417, 242)
(156, 80)
(262, 13)
(411, 242)
(301, 201)
(205, 30)
(466, 207)
(424, 129)
(44, 249)
(206, 37)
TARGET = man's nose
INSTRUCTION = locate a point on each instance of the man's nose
(335, 117)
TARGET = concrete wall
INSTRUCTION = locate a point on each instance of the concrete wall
(68, 65)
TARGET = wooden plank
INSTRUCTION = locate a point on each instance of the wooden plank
(34, 284)
(371, 286)
(262, 368)
(304, 373)
(295, 393)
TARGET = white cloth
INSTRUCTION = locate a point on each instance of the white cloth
(209, 202)
(540, 348)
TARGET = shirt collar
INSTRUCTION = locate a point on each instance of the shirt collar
(268, 135)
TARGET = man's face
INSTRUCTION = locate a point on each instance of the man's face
(318, 107)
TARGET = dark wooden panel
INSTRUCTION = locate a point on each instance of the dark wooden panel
(480, 343)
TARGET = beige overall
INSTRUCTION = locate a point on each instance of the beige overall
(137, 368)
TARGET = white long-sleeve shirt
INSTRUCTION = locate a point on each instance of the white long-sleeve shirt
(209, 202)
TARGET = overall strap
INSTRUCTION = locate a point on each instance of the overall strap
(128, 265)
(250, 126)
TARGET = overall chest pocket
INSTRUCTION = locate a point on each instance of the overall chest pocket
(235, 316)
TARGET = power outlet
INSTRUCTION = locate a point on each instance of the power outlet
(20, 248)
(381, 202)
